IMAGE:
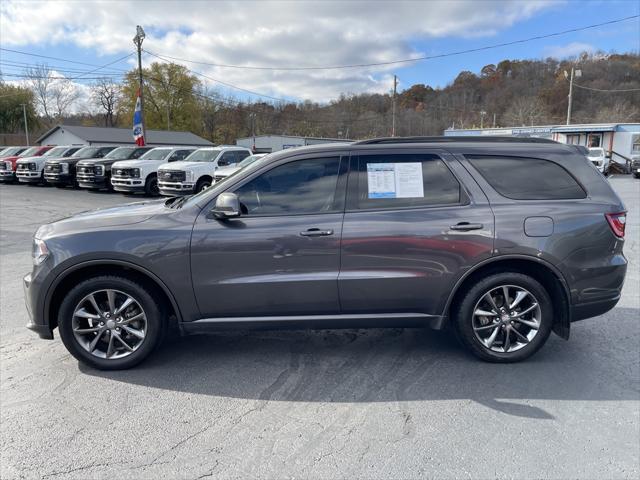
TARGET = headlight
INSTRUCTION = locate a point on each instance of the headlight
(98, 170)
(40, 251)
(135, 172)
(64, 167)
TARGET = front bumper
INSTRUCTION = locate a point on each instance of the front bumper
(92, 181)
(59, 178)
(36, 322)
(7, 176)
(29, 176)
(171, 189)
(127, 184)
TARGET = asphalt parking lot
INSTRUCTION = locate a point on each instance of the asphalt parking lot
(323, 404)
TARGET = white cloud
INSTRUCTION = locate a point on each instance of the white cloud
(266, 33)
(572, 49)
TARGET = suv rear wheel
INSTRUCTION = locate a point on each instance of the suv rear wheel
(505, 317)
(110, 322)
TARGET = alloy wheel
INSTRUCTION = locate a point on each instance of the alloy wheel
(109, 324)
(506, 318)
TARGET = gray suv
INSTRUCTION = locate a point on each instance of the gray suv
(504, 239)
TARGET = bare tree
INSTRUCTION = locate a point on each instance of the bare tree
(54, 96)
(106, 95)
(525, 111)
(63, 94)
(40, 81)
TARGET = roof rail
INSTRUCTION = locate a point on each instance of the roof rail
(487, 139)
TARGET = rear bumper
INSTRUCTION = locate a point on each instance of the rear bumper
(592, 309)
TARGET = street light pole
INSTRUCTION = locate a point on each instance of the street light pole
(26, 127)
(137, 40)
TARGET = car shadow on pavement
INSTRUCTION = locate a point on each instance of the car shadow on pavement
(392, 365)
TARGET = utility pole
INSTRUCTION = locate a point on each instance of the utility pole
(393, 106)
(482, 114)
(577, 73)
(26, 127)
(137, 40)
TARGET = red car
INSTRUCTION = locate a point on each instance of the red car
(8, 164)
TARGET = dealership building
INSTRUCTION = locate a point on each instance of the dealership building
(79, 135)
(621, 141)
(275, 143)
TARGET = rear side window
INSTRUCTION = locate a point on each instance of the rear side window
(527, 178)
(406, 180)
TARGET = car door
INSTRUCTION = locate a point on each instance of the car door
(415, 221)
(282, 255)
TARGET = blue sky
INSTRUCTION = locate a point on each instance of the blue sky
(310, 34)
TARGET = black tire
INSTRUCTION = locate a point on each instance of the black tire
(155, 326)
(202, 184)
(463, 315)
(151, 186)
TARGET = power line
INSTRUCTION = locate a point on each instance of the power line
(408, 60)
(220, 81)
(49, 57)
(57, 68)
(606, 90)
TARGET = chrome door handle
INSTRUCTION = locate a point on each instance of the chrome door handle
(316, 232)
(466, 226)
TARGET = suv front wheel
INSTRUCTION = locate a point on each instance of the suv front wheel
(505, 317)
(110, 322)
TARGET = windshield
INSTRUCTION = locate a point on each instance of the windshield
(30, 152)
(203, 156)
(86, 152)
(56, 152)
(156, 154)
(120, 153)
(9, 152)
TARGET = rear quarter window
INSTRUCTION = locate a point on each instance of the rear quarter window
(522, 178)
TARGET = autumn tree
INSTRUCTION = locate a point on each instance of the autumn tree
(106, 95)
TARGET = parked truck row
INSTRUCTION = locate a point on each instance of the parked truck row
(166, 170)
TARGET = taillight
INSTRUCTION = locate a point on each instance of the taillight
(617, 222)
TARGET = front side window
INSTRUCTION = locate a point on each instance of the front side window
(405, 180)
(299, 187)
(527, 178)
(241, 155)
(228, 158)
(179, 155)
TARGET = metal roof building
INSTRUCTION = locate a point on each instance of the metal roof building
(621, 141)
(79, 135)
(275, 143)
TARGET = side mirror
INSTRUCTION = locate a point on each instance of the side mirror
(227, 206)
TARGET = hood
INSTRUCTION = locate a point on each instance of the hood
(133, 163)
(109, 217)
(184, 165)
(28, 159)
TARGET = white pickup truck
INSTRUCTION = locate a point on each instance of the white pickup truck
(140, 175)
(31, 169)
(197, 171)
